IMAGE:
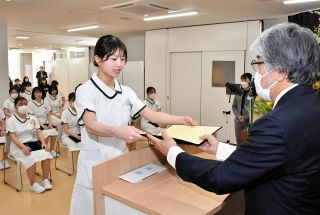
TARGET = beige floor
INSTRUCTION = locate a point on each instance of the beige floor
(53, 202)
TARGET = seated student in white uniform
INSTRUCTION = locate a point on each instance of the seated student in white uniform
(28, 90)
(4, 163)
(42, 111)
(24, 132)
(8, 109)
(60, 93)
(71, 131)
(55, 103)
(104, 108)
(152, 103)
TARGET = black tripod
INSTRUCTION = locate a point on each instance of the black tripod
(227, 113)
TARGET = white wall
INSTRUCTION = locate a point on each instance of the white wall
(225, 38)
(4, 76)
(70, 72)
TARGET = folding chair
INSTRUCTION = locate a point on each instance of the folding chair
(19, 189)
(72, 150)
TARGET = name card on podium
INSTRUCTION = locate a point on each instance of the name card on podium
(141, 173)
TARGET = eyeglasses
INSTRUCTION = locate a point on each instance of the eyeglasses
(255, 64)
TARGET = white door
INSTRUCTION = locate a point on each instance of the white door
(214, 99)
(185, 84)
(133, 77)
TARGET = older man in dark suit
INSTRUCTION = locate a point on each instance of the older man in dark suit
(41, 75)
(279, 166)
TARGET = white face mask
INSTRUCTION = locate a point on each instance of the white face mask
(262, 93)
(152, 96)
(244, 85)
(29, 89)
(14, 95)
(23, 109)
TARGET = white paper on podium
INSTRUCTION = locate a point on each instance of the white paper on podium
(141, 173)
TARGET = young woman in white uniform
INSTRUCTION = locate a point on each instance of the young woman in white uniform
(9, 110)
(71, 131)
(8, 105)
(3, 163)
(42, 111)
(152, 103)
(55, 103)
(28, 90)
(24, 131)
(60, 94)
(104, 108)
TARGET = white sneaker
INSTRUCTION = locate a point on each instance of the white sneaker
(46, 184)
(36, 187)
(4, 164)
(54, 154)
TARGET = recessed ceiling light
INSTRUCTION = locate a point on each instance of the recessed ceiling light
(83, 28)
(50, 46)
(297, 1)
(169, 16)
(20, 44)
(22, 37)
(146, 15)
(36, 47)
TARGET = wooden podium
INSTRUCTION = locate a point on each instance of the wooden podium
(162, 193)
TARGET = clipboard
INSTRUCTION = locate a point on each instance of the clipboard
(189, 135)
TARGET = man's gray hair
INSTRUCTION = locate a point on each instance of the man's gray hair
(289, 48)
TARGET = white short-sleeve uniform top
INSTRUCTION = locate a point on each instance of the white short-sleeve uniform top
(26, 95)
(54, 102)
(112, 108)
(24, 129)
(69, 117)
(145, 124)
(9, 104)
(2, 115)
(40, 110)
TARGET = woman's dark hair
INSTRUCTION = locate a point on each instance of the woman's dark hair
(54, 82)
(53, 87)
(18, 99)
(43, 79)
(24, 78)
(71, 96)
(27, 84)
(13, 88)
(151, 90)
(37, 89)
(246, 76)
(108, 45)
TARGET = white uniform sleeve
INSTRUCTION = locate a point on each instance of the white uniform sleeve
(65, 117)
(47, 105)
(84, 102)
(136, 104)
(35, 122)
(158, 105)
(6, 104)
(2, 116)
(10, 125)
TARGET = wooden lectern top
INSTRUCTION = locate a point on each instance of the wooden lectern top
(162, 193)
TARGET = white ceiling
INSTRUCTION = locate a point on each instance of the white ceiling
(46, 21)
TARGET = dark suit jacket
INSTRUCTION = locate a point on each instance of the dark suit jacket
(279, 166)
(44, 75)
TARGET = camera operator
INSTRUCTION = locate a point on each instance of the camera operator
(239, 109)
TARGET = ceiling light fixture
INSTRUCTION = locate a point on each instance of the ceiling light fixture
(169, 16)
(20, 44)
(297, 1)
(83, 28)
(22, 37)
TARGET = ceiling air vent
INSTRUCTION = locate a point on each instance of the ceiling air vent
(138, 8)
